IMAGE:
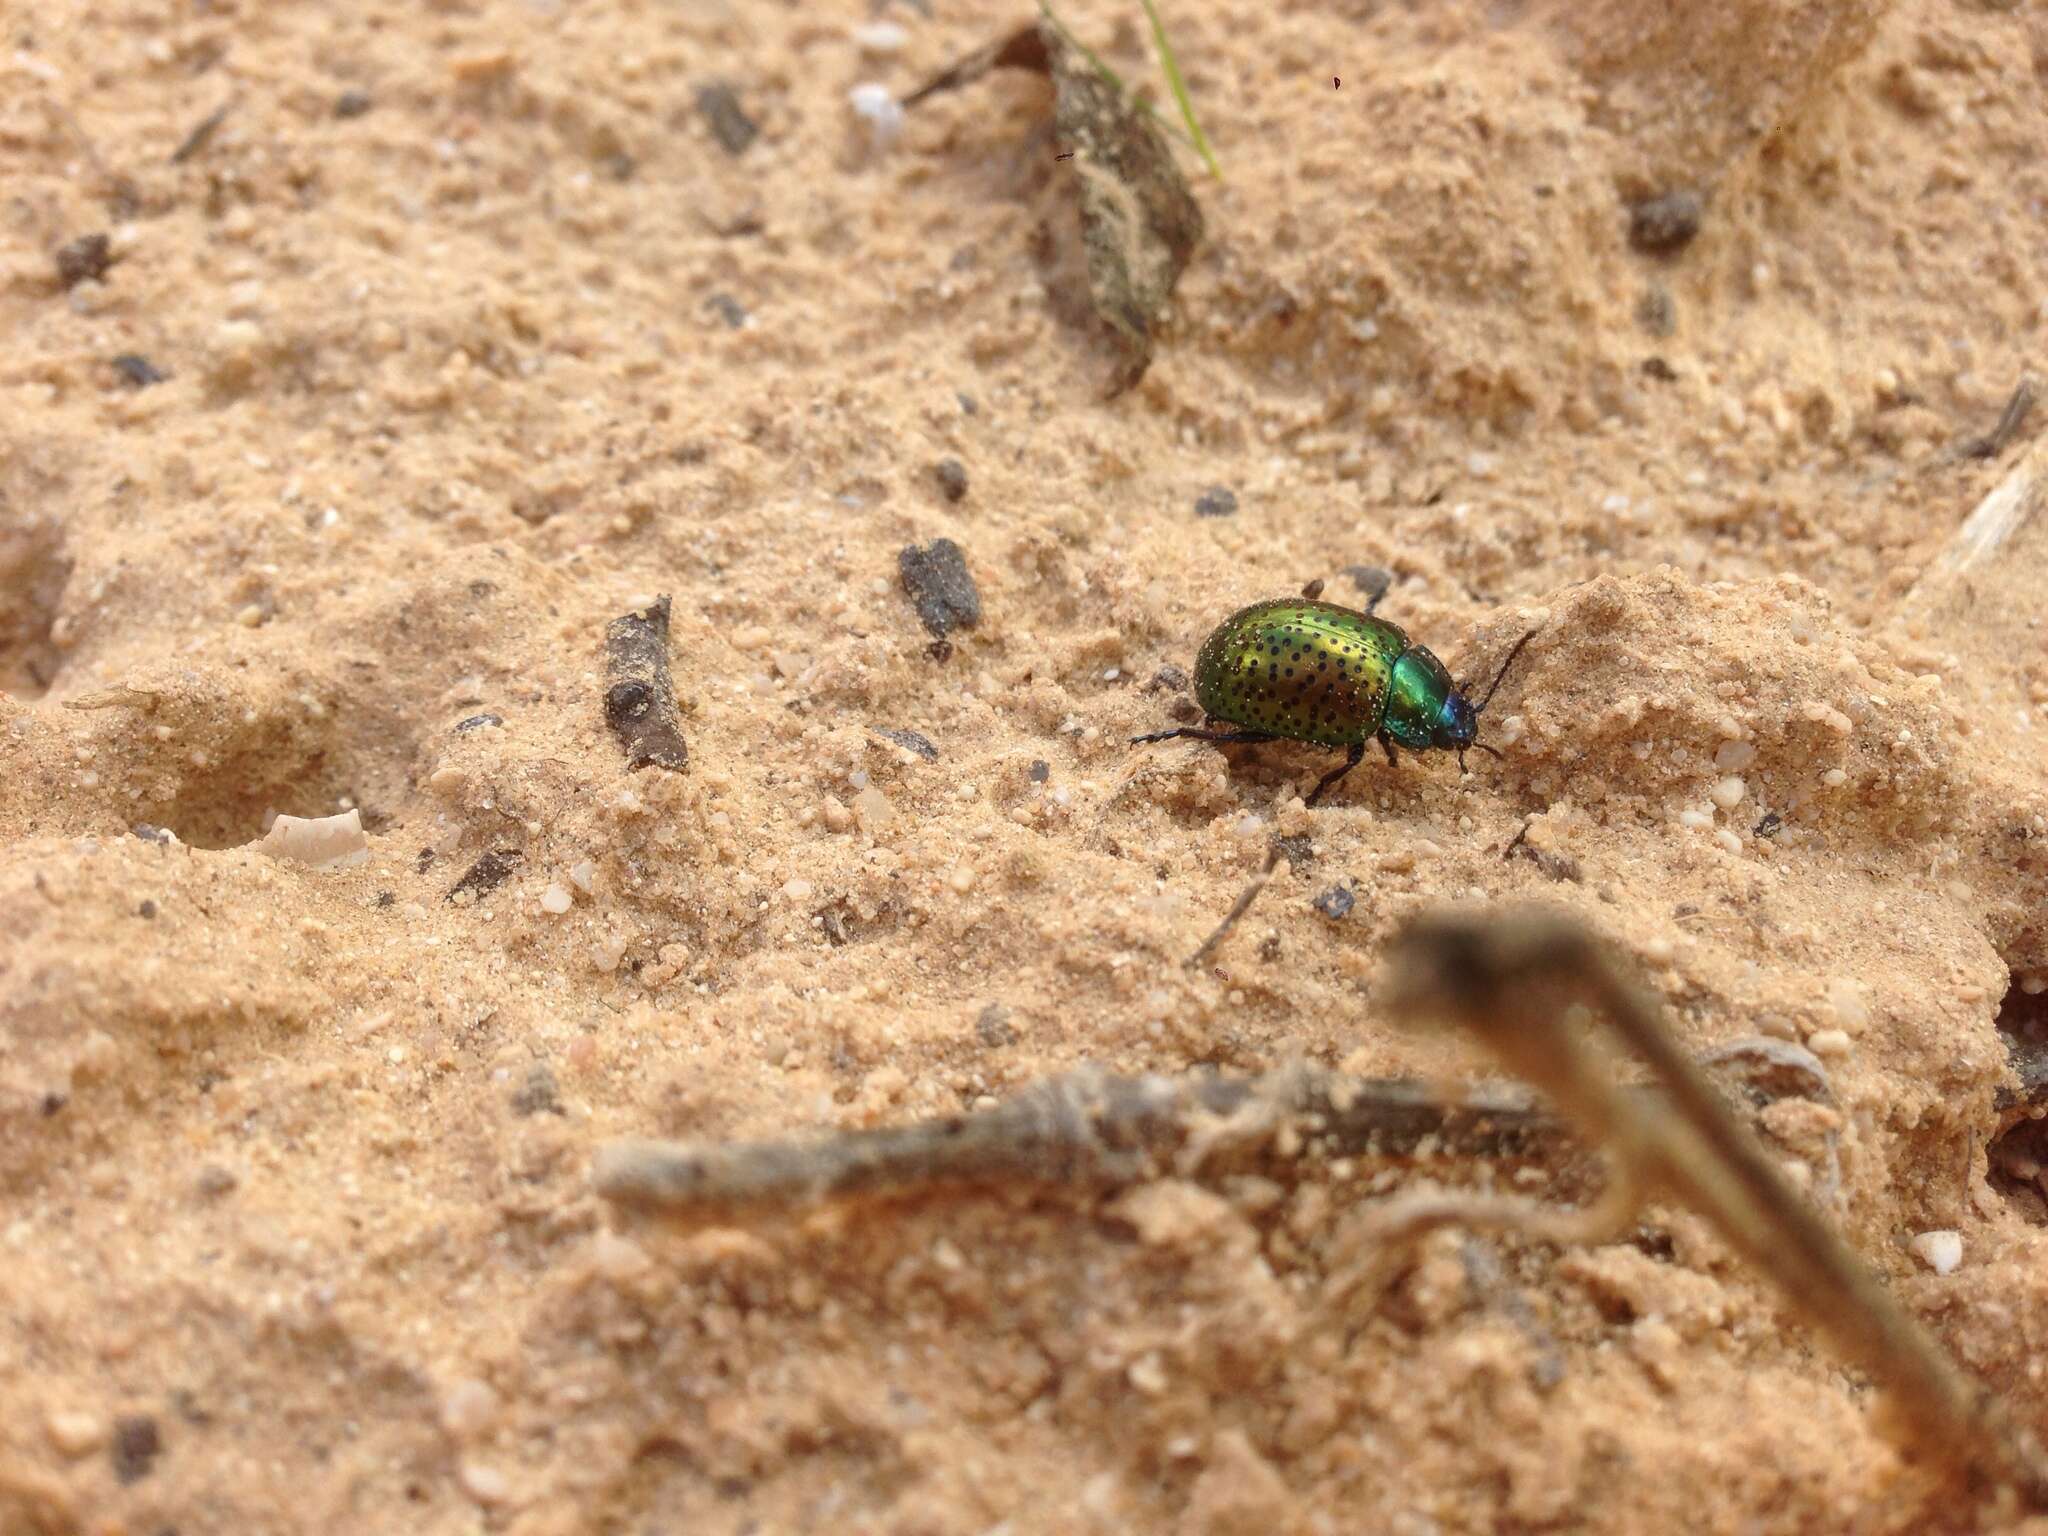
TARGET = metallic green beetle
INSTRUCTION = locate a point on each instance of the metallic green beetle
(1296, 669)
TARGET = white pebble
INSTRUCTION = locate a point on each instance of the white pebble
(583, 876)
(1831, 1043)
(1728, 841)
(1940, 1251)
(484, 1482)
(556, 898)
(1727, 793)
(797, 889)
(75, 1434)
(1698, 820)
(1834, 778)
(881, 110)
(880, 37)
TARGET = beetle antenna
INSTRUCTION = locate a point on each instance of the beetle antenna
(1480, 707)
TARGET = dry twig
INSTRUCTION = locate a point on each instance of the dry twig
(1518, 983)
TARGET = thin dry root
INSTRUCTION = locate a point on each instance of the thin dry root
(1380, 1238)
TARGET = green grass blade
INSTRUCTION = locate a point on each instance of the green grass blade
(1180, 90)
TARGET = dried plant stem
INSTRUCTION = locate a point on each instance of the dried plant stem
(1519, 983)
(1091, 1129)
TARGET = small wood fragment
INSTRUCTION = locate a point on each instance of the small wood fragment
(487, 873)
(640, 701)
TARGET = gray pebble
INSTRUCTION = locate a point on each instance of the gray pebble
(1336, 902)
(1664, 226)
(941, 590)
(730, 125)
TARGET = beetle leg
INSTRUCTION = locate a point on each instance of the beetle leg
(1196, 733)
(1352, 759)
(1392, 760)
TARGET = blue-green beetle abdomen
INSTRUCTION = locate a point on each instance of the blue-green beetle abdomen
(1305, 670)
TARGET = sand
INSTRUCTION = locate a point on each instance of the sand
(472, 336)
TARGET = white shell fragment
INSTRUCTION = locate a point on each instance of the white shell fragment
(1940, 1251)
(877, 106)
(323, 842)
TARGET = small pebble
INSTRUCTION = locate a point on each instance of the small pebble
(478, 722)
(1336, 902)
(880, 37)
(484, 1482)
(137, 370)
(719, 106)
(88, 256)
(1217, 501)
(1941, 1251)
(872, 807)
(730, 310)
(1664, 226)
(1727, 793)
(583, 875)
(877, 106)
(75, 1434)
(556, 898)
(1039, 771)
(352, 104)
(1833, 1044)
(993, 1027)
(137, 1444)
(952, 477)
(940, 586)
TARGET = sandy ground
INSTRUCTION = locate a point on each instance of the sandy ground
(472, 335)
